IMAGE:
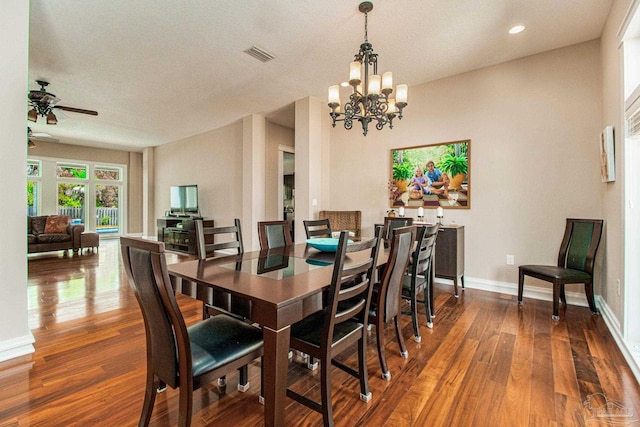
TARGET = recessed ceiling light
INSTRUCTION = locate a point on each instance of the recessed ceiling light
(516, 29)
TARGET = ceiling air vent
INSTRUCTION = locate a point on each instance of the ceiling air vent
(260, 54)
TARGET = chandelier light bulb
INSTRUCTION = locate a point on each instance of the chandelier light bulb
(387, 80)
(374, 85)
(355, 72)
(401, 94)
(334, 94)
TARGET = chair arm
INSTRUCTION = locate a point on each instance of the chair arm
(75, 230)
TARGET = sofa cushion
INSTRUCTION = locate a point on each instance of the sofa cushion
(37, 224)
(31, 238)
(54, 238)
(57, 224)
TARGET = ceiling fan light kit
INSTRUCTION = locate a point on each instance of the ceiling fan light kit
(43, 103)
(371, 96)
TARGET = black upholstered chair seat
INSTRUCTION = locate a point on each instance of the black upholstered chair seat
(219, 340)
(545, 272)
(310, 329)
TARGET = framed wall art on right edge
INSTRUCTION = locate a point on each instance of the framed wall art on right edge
(607, 155)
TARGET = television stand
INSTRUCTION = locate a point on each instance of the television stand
(179, 233)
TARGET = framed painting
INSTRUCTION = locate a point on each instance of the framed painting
(607, 155)
(431, 176)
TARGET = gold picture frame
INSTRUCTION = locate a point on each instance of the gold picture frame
(446, 185)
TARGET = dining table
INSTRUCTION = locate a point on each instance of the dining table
(284, 285)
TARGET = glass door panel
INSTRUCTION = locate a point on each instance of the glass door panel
(107, 210)
(71, 201)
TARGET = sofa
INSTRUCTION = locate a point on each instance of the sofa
(52, 233)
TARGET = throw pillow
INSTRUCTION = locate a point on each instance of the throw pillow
(57, 224)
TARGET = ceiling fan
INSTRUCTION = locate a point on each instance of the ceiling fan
(43, 104)
(33, 137)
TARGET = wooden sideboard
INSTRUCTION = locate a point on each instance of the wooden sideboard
(179, 234)
(449, 257)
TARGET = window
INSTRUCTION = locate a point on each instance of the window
(93, 194)
(33, 187)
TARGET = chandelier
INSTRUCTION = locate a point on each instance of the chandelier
(371, 97)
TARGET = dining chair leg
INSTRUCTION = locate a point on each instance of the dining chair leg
(427, 306)
(325, 391)
(153, 384)
(365, 394)
(184, 407)
(563, 297)
(432, 305)
(403, 349)
(386, 375)
(243, 380)
(414, 316)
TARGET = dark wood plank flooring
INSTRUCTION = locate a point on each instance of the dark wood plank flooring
(486, 362)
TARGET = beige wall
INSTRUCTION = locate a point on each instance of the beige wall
(213, 161)
(612, 194)
(534, 125)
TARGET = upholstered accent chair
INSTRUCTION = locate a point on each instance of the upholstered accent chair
(576, 260)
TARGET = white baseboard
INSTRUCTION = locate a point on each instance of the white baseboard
(16, 347)
(630, 352)
(544, 294)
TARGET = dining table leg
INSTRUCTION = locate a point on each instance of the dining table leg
(275, 367)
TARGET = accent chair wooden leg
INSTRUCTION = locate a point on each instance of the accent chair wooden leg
(588, 290)
(563, 297)
(520, 286)
(556, 301)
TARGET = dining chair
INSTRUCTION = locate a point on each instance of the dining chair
(420, 275)
(391, 223)
(576, 260)
(344, 220)
(385, 302)
(341, 323)
(177, 356)
(214, 301)
(317, 228)
(274, 234)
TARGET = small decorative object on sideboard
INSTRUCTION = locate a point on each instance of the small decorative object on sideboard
(420, 214)
(401, 212)
(440, 214)
(391, 213)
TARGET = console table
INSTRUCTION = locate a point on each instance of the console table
(179, 234)
(449, 257)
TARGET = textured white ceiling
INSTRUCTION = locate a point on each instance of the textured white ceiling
(158, 71)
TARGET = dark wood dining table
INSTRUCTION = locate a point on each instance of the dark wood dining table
(284, 286)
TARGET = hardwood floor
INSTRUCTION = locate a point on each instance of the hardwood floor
(486, 362)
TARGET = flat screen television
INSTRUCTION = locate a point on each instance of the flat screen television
(184, 200)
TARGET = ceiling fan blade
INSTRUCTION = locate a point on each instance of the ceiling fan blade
(76, 110)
